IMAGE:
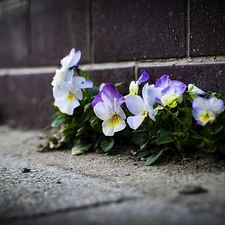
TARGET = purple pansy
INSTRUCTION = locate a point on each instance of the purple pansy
(169, 92)
(206, 110)
(108, 94)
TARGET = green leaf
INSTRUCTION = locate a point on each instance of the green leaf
(80, 131)
(217, 130)
(201, 145)
(146, 152)
(212, 149)
(107, 145)
(144, 144)
(59, 119)
(137, 139)
(119, 84)
(164, 138)
(178, 144)
(222, 148)
(151, 159)
(93, 91)
(197, 137)
(80, 146)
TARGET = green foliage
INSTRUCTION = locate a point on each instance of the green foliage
(174, 130)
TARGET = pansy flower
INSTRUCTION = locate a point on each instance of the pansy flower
(107, 107)
(195, 92)
(134, 85)
(67, 96)
(112, 115)
(65, 73)
(206, 110)
(141, 107)
(169, 92)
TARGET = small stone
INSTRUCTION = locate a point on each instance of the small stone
(26, 170)
(192, 189)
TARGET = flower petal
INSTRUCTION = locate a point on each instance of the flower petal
(144, 77)
(135, 104)
(163, 82)
(62, 74)
(111, 92)
(216, 105)
(133, 88)
(200, 103)
(118, 110)
(75, 58)
(108, 94)
(194, 91)
(135, 121)
(82, 82)
(101, 86)
(102, 111)
(149, 94)
(97, 99)
(109, 130)
(66, 106)
(180, 87)
(72, 59)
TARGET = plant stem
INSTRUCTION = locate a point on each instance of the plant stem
(190, 129)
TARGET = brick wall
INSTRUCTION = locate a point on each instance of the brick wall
(118, 39)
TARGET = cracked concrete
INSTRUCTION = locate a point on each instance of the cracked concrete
(58, 188)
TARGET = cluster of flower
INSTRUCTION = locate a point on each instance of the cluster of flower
(67, 88)
(108, 104)
(165, 92)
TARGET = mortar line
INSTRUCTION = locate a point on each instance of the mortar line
(91, 32)
(188, 27)
(29, 33)
(118, 65)
(136, 65)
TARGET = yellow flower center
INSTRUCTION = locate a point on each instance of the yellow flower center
(115, 119)
(132, 92)
(144, 113)
(70, 96)
(171, 100)
(204, 118)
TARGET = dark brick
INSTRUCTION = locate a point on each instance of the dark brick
(208, 77)
(207, 27)
(129, 29)
(13, 38)
(30, 100)
(57, 27)
(125, 75)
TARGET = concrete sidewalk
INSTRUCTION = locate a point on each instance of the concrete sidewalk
(57, 188)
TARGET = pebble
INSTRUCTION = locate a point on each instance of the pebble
(192, 189)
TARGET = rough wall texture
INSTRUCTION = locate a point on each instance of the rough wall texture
(118, 39)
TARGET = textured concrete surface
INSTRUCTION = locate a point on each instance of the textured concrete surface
(57, 188)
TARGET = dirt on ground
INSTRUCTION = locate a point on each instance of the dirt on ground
(194, 186)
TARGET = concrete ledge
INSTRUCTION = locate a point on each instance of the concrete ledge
(56, 188)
